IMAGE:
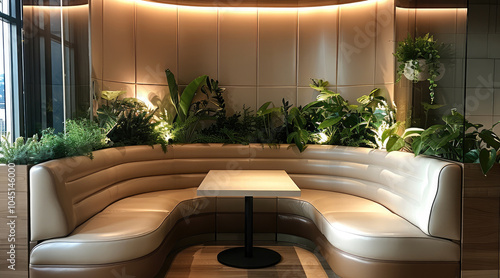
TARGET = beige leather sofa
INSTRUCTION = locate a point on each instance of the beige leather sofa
(369, 212)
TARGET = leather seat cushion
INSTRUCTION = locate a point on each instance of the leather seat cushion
(127, 229)
(365, 228)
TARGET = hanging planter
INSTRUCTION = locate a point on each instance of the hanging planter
(418, 70)
(419, 60)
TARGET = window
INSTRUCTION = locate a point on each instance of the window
(56, 63)
(10, 74)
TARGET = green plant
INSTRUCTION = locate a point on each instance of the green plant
(392, 141)
(108, 113)
(410, 50)
(332, 120)
(268, 124)
(21, 152)
(214, 105)
(182, 102)
(235, 129)
(298, 121)
(81, 138)
(456, 139)
(427, 107)
(136, 128)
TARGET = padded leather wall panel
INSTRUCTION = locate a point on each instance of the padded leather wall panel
(83, 187)
(211, 151)
(293, 166)
(321, 152)
(203, 165)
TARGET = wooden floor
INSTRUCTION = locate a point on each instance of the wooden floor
(200, 261)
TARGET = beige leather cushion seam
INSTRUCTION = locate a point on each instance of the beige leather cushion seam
(126, 180)
(117, 164)
(116, 168)
(77, 176)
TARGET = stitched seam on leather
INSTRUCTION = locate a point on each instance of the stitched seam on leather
(398, 173)
(122, 181)
(135, 177)
(94, 171)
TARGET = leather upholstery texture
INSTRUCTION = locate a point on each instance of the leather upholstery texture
(350, 266)
(122, 205)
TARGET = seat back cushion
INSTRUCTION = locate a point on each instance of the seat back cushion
(425, 191)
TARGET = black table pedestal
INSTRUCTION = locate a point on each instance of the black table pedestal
(249, 256)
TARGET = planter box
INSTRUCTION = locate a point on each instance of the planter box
(14, 251)
(480, 222)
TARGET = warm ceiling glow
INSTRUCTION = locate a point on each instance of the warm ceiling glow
(146, 2)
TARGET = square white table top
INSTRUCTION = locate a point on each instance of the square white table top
(262, 183)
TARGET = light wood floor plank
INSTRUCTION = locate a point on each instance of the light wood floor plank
(200, 261)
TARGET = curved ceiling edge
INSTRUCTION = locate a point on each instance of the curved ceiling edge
(54, 3)
(258, 3)
(431, 4)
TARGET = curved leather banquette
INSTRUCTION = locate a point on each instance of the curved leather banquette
(370, 213)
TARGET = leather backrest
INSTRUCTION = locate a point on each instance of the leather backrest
(67, 192)
(424, 190)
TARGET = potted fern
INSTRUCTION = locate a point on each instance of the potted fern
(419, 60)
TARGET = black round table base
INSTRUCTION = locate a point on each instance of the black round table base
(262, 257)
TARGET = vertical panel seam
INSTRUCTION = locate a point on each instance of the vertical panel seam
(297, 43)
(177, 43)
(376, 39)
(217, 38)
(257, 79)
(338, 49)
(134, 37)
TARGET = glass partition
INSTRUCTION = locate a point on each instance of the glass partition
(418, 105)
(447, 26)
(57, 74)
(482, 94)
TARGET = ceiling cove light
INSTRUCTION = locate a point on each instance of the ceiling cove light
(255, 4)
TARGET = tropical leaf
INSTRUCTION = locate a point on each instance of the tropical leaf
(329, 122)
(188, 95)
(173, 89)
(487, 159)
(395, 143)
